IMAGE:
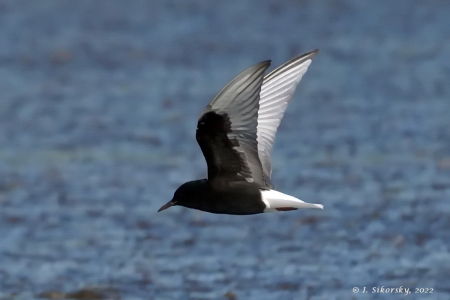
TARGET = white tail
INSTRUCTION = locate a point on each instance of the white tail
(277, 201)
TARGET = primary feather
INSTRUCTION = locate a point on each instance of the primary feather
(276, 93)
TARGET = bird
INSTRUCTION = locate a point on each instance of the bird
(236, 132)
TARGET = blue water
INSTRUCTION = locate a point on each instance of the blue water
(98, 109)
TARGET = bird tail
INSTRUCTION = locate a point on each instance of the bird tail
(277, 201)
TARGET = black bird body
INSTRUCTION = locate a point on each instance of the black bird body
(236, 132)
(221, 197)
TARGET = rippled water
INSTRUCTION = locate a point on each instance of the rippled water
(98, 110)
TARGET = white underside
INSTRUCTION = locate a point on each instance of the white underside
(274, 199)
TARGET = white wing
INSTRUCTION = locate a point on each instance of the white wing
(276, 92)
(227, 129)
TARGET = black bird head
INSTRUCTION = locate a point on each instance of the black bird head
(186, 195)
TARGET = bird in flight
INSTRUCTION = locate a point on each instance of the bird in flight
(236, 132)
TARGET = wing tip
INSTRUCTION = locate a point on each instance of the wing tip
(300, 59)
(308, 55)
(257, 69)
(265, 63)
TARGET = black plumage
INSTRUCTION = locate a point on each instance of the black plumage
(234, 133)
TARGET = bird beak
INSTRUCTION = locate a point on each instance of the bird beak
(167, 205)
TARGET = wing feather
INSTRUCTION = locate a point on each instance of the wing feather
(236, 131)
(276, 93)
(227, 129)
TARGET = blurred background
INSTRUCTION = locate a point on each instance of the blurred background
(98, 110)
